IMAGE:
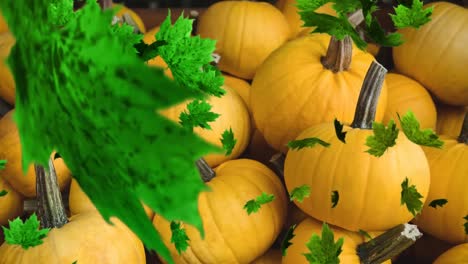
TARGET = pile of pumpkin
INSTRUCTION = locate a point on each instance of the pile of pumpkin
(280, 90)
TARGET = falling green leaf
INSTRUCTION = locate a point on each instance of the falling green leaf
(2, 164)
(365, 234)
(411, 197)
(300, 193)
(179, 237)
(306, 143)
(286, 242)
(335, 197)
(27, 234)
(414, 16)
(3, 193)
(149, 51)
(324, 250)
(410, 126)
(438, 202)
(339, 131)
(383, 138)
(228, 141)
(198, 114)
(252, 206)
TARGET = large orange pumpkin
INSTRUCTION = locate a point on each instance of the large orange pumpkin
(292, 90)
(436, 53)
(231, 235)
(450, 119)
(7, 82)
(11, 204)
(246, 32)
(406, 94)
(455, 255)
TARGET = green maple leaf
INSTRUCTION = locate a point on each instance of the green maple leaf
(339, 131)
(3, 193)
(324, 250)
(300, 193)
(198, 114)
(410, 126)
(252, 206)
(335, 198)
(383, 138)
(411, 197)
(2, 164)
(306, 143)
(438, 202)
(85, 93)
(228, 141)
(26, 234)
(179, 237)
(286, 242)
(414, 16)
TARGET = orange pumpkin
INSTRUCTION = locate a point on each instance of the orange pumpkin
(406, 94)
(450, 119)
(3, 24)
(228, 228)
(240, 86)
(455, 255)
(11, 204)
(149, 38)
(7, 82)
(292, 90)
(246, 32)
(272, 256)
(435, 54)
(11, 151)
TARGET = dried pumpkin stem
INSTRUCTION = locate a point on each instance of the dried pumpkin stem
(339, 53)
(369, 96)
(463, 138)
(206, 172)
(388, 245)
(50, 208)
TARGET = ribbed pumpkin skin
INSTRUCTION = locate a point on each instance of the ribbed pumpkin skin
(293, 91)
(369, 187)
(231, 235)
(246, 33)
(11, 204)
(310, 226)
(450, 119)
(449, 178)
(435, 54)
(241, 87)
(234, 115)
(87, 238)
(7, 82)
(455, 255)
(406, 94)
(10, 149)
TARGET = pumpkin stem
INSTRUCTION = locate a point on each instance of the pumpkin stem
(369, 96)
(194, 14)
(50, 208)
(339, 53)
(463, 138)
(105, 4)
(206, 172)
(389, 244)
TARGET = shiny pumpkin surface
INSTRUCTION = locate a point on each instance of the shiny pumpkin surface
(450, 119)
(405, 94)
(449, 178)
(455, 255)
(86, 238)
(11, 204)
(228, 228)
(440, 66)
(293, 91)
(369, 187)
(246, 32)
(7, 82)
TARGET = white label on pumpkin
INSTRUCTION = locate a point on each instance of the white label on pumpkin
(411, 232)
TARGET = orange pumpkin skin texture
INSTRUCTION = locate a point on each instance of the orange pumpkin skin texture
(455, 255)
(449, 178)
(369, 187)
(10, 149)
(440, 66)
(292, 90)
(234, 115)
(11, 204)
(273, 256)
(228, 227)
(246, 33)
(149, 37)
(406, 94)
(86, 238)
(310, 226)
(450, 119)
(241, 87)
(79, 202)
(7, 82)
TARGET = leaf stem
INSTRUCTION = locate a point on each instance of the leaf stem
(389, 244)
(463, 138)
(50, 208)
(206, 172)
(339, 53)
(369, 96)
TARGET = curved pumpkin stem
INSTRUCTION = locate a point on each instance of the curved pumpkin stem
(206, 172)
(463, 138)
(388, 245)
(339, 54)
(369, 96)
(50, 208)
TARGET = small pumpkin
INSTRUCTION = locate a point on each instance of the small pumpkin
(240, 86)
(293, 89)
(449, 171)
(455, 255)
(368, 187)
(10, 149)
(7, 82)
(228, 227)
(79, 202)
(11, 204)
(246, 32)
(450, 119)
(440, 66)
(406, 94)
(272, 256)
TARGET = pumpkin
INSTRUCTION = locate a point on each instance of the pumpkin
(455, 255)
(450, 119)
(292, 90)
(246, 32)
(309, 227)
(136, 18)
(148, 38)
(440, 66)
(272, 256)
(227, 225)
(369, 187)
(79, 202)
(406, 94)
(7, 82)
(240, 86)
(11, 204)
(449, 171)
(233, 114)
(3, 24)
(10, 149)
